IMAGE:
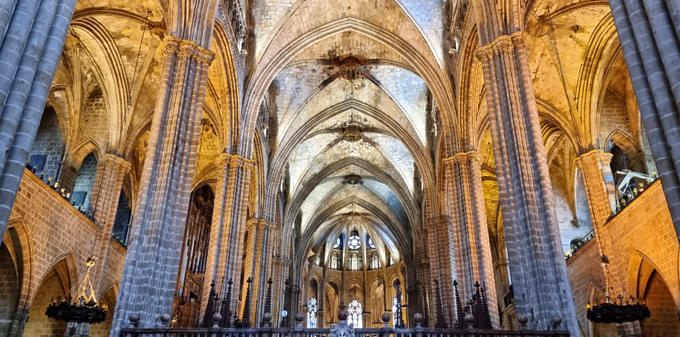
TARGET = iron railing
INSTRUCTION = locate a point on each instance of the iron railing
(373, 332)
(340, 330)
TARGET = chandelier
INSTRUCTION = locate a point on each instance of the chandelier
(82, 309)
(617, 312)
(620, 311)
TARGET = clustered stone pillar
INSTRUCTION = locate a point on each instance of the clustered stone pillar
(256, 264)
(108, 182)
(598, 183)
(150, 273)
(419, 289)
(539, 272)
(648, 31)
(440, 238)
(595, 171)
(32, 35)
(228, 227)
(463, 179)
(261, 267)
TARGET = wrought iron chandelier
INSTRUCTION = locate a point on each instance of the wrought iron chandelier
(618, 312)
(81, 309)
(612, 311)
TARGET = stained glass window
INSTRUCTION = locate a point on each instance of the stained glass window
(312, 309)
(371, 245)
(395, 310)
(334, 261)
(375, 264)
(355, 312)
(354, 241)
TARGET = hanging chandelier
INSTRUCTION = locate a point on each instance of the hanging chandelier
(82, 309)
(617, 312)
(620, 311)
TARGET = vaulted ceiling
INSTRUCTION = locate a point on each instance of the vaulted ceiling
(351, 119)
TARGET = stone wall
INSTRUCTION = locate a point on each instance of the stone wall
(49, 142)
(51, 241)
(643, 251)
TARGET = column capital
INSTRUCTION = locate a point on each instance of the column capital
(260, 223)
(234, 160)
(438, 220)
(463, 156)
(176, 45)
(597, 154)
(118, 161)
(500, 44)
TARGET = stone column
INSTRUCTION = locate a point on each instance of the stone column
(321, 299)
(465, 196)
(440, 244)
(256, 265)
(648, 32)
(598, 182)
(422, 280)
(539, 272)
(111, 172)
(261, 268)
(599, 188)
(228, 226)
(32, 36)
(150, 272)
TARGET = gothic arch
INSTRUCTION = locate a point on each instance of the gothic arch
(70, 263)
(404, 197)
(280, 158)
(602, 48)
(278, 59)
(116, 85)
(18, 235)
(83, 150)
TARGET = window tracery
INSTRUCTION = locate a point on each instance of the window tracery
(354, 242)
(395, 310)
(354, 310)
(312, 309)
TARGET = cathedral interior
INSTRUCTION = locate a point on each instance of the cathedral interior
(291, 157)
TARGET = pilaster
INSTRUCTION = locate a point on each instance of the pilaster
(465, 196)
(150, 273)
(539, 274)
(228, 226)
(111, 172)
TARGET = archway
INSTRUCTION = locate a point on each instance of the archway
(664, 312)
(56, 284)
(10, 289)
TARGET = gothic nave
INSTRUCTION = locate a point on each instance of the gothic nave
(222, 163)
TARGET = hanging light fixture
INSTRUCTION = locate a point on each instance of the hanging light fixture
(81, 309)
(612, 311)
